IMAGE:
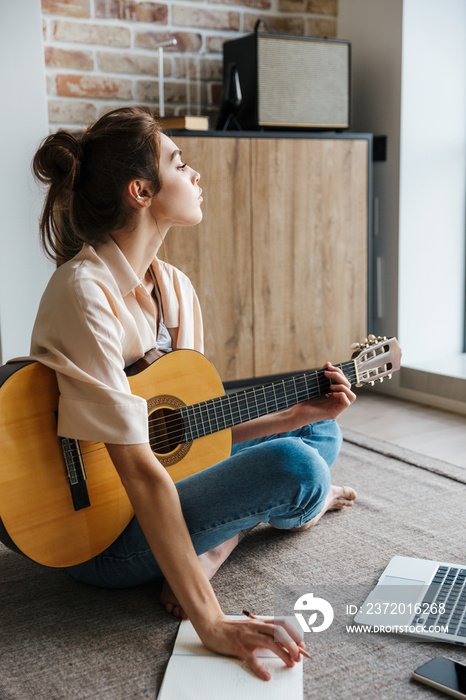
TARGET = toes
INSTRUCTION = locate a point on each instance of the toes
(176, 611)
(349, 493)
(345, 495)
(342, 503)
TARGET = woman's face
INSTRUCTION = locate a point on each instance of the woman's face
(179, 201)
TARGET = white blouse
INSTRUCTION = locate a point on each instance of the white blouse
(96, 318)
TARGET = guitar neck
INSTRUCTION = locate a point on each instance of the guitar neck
(227, 411)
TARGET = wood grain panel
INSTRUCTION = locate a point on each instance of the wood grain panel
(309, 220)
(216, 255)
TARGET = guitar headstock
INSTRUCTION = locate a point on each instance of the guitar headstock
(376, 358)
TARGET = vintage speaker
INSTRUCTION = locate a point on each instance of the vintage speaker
(273, 81)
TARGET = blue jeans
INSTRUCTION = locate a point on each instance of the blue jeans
(282, 479)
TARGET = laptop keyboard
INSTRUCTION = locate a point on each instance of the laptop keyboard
(445, 601)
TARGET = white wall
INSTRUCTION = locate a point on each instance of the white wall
(374, 29)
(23, 124)
(432, 180)
(409, 79)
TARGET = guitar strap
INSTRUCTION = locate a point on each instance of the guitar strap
(164, 343)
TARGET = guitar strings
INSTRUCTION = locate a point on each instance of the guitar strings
(165, 423)
(168, 435)
(258, 394)
(165, 426)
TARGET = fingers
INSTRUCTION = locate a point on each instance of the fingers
(287, 645)
(277, 639)
(241, 638)
(335, 374)
(340, 385)
(258, 634)
(255, 666)
(256, 663)
(292, 629)
(342, 392)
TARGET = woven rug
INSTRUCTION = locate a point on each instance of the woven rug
(65, 641)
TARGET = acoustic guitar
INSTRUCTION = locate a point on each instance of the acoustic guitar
(62, 501)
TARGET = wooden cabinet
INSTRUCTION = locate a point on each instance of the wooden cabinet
(280, 258)
(217, 254)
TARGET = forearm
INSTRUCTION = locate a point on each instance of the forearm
(157, 506)
(282, 422)
(158, 509)
(327, 407)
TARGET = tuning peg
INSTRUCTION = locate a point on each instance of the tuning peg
(372, 383)
(381, 379)
(371, 337)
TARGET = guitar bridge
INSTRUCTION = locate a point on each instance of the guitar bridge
(76, 472)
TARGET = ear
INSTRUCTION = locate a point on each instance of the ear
(138, 193)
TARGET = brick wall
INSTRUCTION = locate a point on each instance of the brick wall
(100, 54)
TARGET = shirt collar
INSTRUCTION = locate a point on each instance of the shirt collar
(124, 275)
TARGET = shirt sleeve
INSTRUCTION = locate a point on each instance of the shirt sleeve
(78, 334)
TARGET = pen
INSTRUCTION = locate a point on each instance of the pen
(253, 617)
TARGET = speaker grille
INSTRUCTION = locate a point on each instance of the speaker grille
(303, 82)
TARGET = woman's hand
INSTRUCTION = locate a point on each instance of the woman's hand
(239, 638)
(330, 405)
(158, 509)
(326, 407)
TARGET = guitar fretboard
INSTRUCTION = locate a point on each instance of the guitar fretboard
(227, 411)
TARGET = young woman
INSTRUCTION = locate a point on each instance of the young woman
(112, 197)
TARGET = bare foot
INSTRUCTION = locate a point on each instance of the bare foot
(338, 497)
(210, 561)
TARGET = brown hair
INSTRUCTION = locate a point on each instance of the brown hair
(87, 177)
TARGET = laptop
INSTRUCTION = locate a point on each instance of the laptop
(418, 597)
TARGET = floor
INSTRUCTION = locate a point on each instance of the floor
(426, 430)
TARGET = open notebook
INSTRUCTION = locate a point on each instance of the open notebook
(195, 672)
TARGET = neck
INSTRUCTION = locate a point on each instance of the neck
(140, 244)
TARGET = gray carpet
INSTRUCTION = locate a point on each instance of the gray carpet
(65, 641)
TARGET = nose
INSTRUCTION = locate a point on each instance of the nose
(196, 176)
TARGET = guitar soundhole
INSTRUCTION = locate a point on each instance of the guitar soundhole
(166, 430)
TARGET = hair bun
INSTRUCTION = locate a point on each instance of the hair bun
(56, 162)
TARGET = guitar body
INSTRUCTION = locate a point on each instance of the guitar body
(37, 514)
(62, 501)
